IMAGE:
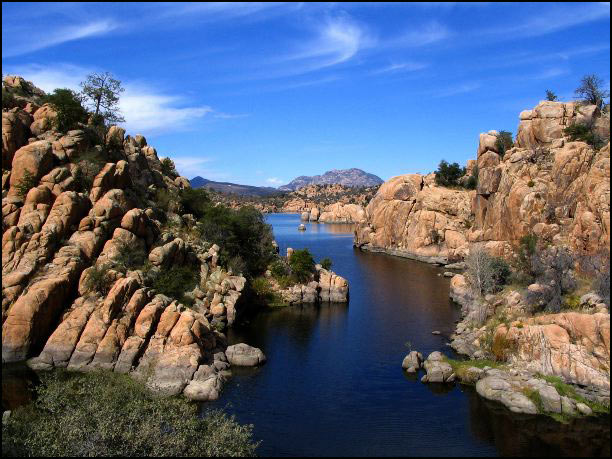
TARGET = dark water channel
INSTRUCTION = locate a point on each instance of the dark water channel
(333, 383)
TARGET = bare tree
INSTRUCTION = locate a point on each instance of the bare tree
(591, 90)
(479, 271)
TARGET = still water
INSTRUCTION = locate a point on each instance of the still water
(333, 383)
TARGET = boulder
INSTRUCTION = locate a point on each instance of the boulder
(244, 355)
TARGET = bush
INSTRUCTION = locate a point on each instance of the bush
(98, 279)
(67, 105)
(279, 268)
(129, 256)
(554, 271)
(472, 182)
(584, 133)
(239, 233)
(168, 167)
(26, 184)
(302, 264)
(449, 174)
(194, 201)
(89, 164)
(175, 282)
(326, 263)
(107, 414)
(485, 274)
(550, 95)
(504, 142)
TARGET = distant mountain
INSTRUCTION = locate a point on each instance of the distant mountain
(347, 177)
(232, 188)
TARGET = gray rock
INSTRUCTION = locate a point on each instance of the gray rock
(584, 409)
(551, 401)
(413, 360)
(244, 355)
(438, 370)
(498, 389)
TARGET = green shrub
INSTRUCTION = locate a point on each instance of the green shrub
(176, 281)
(531, 184)
(449, 174)
(302, 264)
(195, 201)
(98, 279)
(472, 182)
(584, 133)
(279, 268)
(107, 414)
(326, 263)
(168, 167)
(550, 95)
(129, 256)
(67, 105)
(504, 142)
(8, 99)
(89, 164)
(28, 182)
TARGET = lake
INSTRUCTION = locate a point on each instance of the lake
(333, 383)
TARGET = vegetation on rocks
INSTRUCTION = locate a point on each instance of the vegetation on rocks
(107, 414)
(504, 142)
(449, 174)
(67, 105)
(302, 264)
(28, 182)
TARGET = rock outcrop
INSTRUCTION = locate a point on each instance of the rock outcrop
(546, 185)
(67, 299)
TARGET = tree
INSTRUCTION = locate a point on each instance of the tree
(551, 96)
(504, 142)
(101, 92)
(449, 174)
(591, 90)
(485, 274)
(67, 105)
(301, 264)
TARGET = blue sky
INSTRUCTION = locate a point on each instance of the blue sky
(259, 93)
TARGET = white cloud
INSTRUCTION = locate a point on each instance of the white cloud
(145, 109)
(193, 166)
(275, 181)
(15, 44)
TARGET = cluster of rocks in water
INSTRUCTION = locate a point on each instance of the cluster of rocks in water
(325, 286)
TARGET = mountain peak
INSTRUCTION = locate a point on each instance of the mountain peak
(349, 177)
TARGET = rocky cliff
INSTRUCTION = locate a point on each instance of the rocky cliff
(546, 184)
(60, 232)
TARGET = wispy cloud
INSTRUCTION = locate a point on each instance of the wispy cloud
(400, 67)
(145, 109)
(337, 40)
(457, 89)
(426, 34)
(553, 19)
(16, 44)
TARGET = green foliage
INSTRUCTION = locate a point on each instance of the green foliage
(531, 184)
(98, 279)
(165, 200)
(176, 281)
(239, 233)
(326, 263)
(107, 414)
(264, 293)
(449, 174)
(8, 99)
(129, 256)
(567, 390)
(584, 133)
(504, 142)
(101, 92)
(168, 167)
(472, 182)
(302, 264)
(551, 96)
(195, 201)
(571, 302)
(501, 272)
(279, 268)
(67, 105)
(28, 182)
(88, 165)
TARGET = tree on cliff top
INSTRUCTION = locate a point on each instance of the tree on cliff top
(101, 92)
(591, 90)
(449, 174)
(551, 96)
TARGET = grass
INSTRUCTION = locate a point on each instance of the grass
(567, 390)
(460, 367)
